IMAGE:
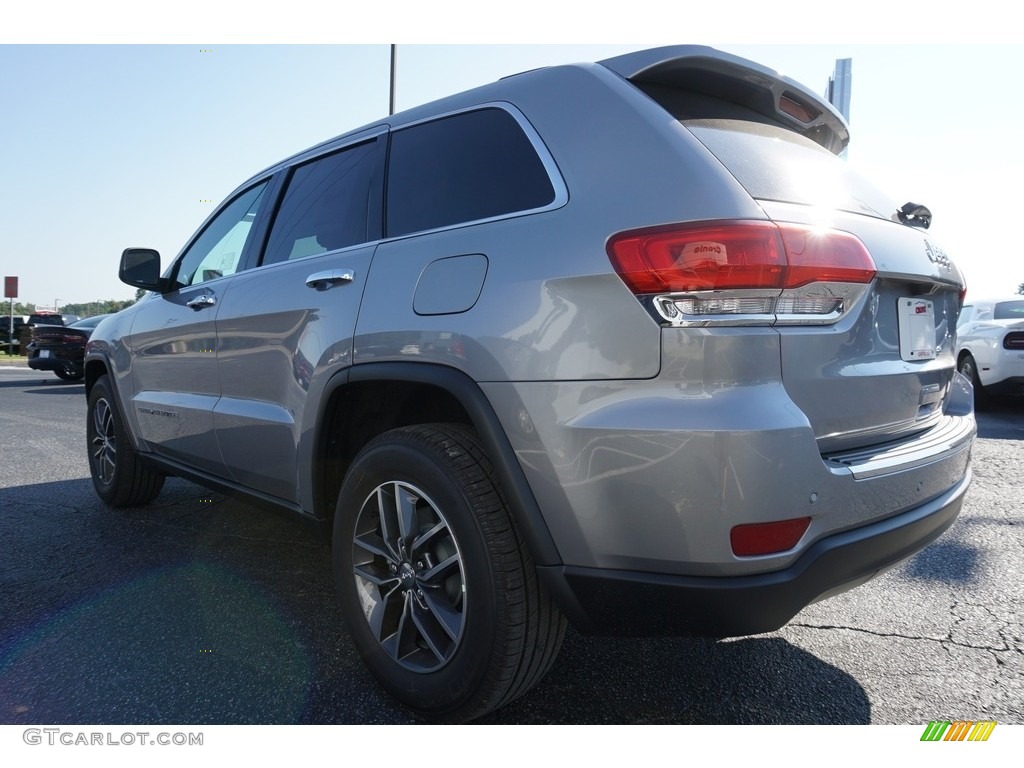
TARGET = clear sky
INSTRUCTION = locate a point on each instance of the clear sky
(103, 147)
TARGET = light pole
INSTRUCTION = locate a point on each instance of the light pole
(56, 305)
(394, 61)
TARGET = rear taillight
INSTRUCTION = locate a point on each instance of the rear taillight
(743, 271)
(1013, 340)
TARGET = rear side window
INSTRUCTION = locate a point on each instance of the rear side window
(325, 206)
(462, 168)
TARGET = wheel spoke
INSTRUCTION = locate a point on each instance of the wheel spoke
(385, 612)
(440, 644)
(388, 523)
(440, 571)
(408, 519)
(375, 545)
(424, 538)
(375, 574)
(406, 636)
(442, 612)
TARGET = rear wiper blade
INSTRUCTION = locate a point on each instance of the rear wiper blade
(915, 215)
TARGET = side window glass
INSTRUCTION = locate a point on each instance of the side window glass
(325, 205)
(462, 168)
(217, 252)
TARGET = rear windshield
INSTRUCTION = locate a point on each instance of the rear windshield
(1009, 310)
(773, 163)
(46, 320)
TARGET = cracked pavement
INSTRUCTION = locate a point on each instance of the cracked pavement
(199, 609)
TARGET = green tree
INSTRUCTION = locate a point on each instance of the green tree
(91, 308)
(1020, 288)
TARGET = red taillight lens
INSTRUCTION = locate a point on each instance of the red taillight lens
(733, 255)
(767, 538)
(828, 256)
(71, 338)
(737, 255)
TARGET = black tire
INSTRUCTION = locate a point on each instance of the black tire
(118, 476)
(69, 374)
(451, 643)
(969, 368)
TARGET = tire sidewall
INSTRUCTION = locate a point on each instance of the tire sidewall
(445, 690)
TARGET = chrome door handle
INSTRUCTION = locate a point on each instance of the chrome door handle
(201, 302)
(321, 281)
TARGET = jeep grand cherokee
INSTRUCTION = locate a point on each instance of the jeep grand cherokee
(621, 343)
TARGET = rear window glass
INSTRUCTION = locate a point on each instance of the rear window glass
(1009, 310)
(773, 163)
(466, 167)
(46, 320)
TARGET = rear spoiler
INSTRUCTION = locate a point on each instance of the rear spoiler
(726, 77)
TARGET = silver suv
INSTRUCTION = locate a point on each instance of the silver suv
(623, 344)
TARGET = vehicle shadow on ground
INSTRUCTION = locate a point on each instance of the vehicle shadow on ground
(54, 385)
(198, 609)
(64, 388)
(753, 680)
(1001, 419)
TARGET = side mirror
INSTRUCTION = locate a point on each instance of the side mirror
(140, 268)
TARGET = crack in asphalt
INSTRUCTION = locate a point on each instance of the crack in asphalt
(941, 640)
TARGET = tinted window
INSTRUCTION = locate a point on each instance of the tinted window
(325, 206)
(89, 322)
(776, 164)
(218, 250)
(43, 319)
(462, 168)
(1009, 310)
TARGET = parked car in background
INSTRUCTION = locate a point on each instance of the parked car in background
(620, 343)
(60, 348)
(9, 337)
(990, 345)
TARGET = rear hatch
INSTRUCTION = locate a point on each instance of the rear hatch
(867, 320)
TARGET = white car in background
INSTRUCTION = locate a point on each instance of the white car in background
(990, 345)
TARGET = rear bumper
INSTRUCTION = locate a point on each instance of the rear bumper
(53, 364)
(602, 601)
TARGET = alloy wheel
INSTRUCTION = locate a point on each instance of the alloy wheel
(409, 577)
(104, 441)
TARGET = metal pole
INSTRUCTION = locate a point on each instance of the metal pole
(394, 61)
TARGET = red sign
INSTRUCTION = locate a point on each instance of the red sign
(10, 287)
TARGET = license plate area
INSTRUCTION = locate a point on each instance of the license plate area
(44, 353)
(917, 329)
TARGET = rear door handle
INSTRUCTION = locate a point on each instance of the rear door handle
(321, 281)
(201, 302)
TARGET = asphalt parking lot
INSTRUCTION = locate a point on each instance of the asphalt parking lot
(198, 609)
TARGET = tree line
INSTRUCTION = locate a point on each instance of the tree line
(87, 309)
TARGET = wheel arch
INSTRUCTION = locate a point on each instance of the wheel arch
(368, 399)
(94, 368)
